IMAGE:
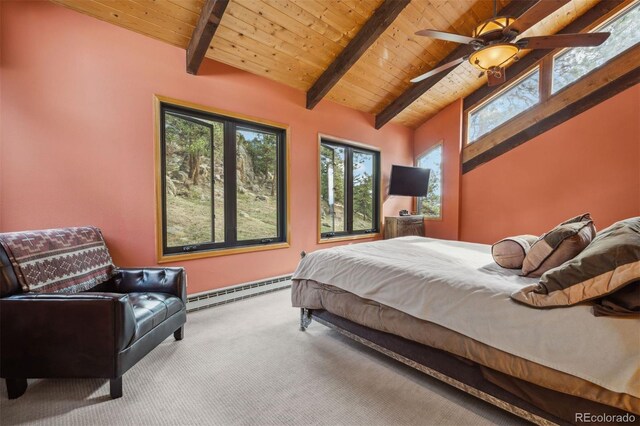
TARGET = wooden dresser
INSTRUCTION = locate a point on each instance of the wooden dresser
(402, 226)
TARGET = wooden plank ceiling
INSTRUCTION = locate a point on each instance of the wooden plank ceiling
(294, 41)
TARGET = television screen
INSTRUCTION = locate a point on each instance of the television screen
(410, 181)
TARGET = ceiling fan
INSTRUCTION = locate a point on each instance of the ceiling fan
(494, 41)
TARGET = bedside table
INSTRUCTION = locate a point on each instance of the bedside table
(402, 226)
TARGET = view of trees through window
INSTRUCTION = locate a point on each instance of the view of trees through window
(574, 63)
(347, 171)
(568, 66)
(194, 182)
(363, 191)
(190, 145)
(332, 191)
(257, 184)
(431, 205)
(521, 96)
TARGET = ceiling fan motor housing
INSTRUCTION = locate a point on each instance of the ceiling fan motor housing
(492, 29)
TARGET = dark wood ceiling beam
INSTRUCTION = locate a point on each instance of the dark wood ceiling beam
(580, 24)
(515, 9)
(369, 33)
(206, 27)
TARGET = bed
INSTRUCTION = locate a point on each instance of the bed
(443, 307)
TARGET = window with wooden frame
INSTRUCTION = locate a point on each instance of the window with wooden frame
(569, 82)
(572, 64)
(510, 102)
(222, 182)
(431, 205)
(349, 190)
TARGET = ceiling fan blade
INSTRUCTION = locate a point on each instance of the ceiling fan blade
(563, 40)
(535, 14)
(443, 35)
(438, 70)
(492, 80)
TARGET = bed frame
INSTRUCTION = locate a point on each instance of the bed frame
(434, 362)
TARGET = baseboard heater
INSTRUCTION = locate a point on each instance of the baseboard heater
(230, 294)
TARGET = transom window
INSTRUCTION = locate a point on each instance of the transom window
(223, 181)
(567, 67)
(431, 205)
(520, 96)
(571, 64)
(349, 190)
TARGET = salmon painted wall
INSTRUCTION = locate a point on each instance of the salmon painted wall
(590, 163)
(77, 127)
(445, 127)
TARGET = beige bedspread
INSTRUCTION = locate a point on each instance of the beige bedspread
(313, 295)
(458, 286)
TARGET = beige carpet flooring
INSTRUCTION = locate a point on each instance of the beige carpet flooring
(246, 363)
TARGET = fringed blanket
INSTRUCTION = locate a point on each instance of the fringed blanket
(66, 260)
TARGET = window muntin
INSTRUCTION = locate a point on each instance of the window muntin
(349, 190)
(572, 64)
(213, 195)
(522, 95)
(431, 205)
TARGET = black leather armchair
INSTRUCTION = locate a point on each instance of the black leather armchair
(100, 333)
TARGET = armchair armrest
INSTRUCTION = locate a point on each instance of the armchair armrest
(80, 332)
(161, 280)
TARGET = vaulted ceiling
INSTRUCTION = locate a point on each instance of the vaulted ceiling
(295, 41)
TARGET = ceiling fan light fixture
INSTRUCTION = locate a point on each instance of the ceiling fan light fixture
(496, 24)
(494, 56)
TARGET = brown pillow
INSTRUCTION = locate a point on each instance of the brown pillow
(580, 218)
(557, 246)
(608, 264)
(510, 252)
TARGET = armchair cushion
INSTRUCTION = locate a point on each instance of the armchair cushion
(151, 309)
(68, 260)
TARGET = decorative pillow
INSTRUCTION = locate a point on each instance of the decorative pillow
(510, 252)
(581, 218)
(66, 260)
(557, 246)
(608, 264)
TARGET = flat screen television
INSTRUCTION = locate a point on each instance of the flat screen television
(409, 181)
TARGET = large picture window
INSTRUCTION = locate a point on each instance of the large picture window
(431, 205)
(223, 182)
(349, 190)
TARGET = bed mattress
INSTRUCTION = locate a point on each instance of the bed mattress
(457, 286)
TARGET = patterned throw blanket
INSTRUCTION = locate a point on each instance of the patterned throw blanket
(66, 260)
